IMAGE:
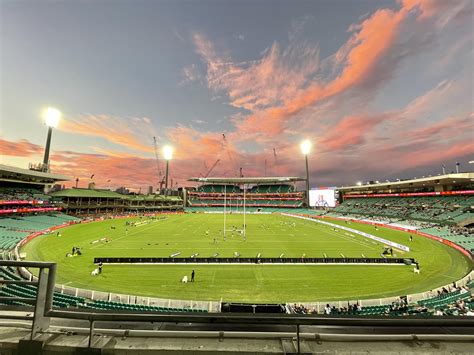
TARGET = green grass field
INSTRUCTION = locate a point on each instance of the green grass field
(270, 235)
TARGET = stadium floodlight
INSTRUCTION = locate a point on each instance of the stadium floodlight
(51, 118)
(168, 152)
(168, 155)
(305, 147)
(359, 183)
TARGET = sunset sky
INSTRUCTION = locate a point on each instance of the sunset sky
(383, 89)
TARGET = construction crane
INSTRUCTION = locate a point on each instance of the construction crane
(229, 152)
(275, 162)
(212, 168)
(158, 168)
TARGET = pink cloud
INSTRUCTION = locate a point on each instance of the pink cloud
(127, 133)
(258, 84)
(350, 131)
(276, 93)
(445, 129)
(21, 148)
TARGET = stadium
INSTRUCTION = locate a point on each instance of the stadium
(260, 177)
(253, 245)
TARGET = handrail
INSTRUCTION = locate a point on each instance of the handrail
(265, 318)
(17, 263)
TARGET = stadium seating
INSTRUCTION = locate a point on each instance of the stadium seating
(271, 189)
(447, 303)
(445, 299)
(59, 300)
(117, 306)
(454, 302)
(11, 194)
(438, 209)
(353, 208)
(14, 229)
(65, 301)
(261, 196)
(219, 189)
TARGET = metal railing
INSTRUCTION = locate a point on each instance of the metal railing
(43, 301)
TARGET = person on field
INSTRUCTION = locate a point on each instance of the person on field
(327, 309)
(100, 267)
(192, 276)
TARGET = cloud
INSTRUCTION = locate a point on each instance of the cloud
(134, 172)
(128, 133)
(21, 148)
(190, 74)
(432, 99)
(444, 11)
(448, 128)
(239, 36)
(413, 155)
(350, 132)
(262, 83)
(277, 88)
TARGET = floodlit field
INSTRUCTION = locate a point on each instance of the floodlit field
(270, 235)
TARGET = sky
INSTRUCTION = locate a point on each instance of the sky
(382, 89)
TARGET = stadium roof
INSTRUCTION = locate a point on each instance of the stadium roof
(430, 181)
(86, 193)
(98, 193)
(18, 175)
(246, 180)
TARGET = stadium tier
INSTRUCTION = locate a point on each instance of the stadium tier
(448, 302)
(25, 200)
(22, 194)
(260, 196)
(61, 300)
(14, 228)
(436, 209)
(93, 202)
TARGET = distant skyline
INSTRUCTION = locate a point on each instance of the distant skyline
(383, 89)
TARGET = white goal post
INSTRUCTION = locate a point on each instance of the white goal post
(244, 229)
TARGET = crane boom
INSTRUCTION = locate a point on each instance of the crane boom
(158, 169)
(212, 168)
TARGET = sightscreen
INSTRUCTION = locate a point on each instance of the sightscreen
(322, 197)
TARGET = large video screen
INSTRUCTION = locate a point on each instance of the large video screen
(322, 197)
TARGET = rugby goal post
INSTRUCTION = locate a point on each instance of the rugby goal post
(243, 230)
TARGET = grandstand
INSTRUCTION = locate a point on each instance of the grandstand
(25, 207)
(96, 201)
(444, 214)
(454, 209)
(24, 191)
(442, 206)
(274, 194)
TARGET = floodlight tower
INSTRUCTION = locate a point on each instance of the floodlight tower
(305, 147)
(51, 117)
(167, 155)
